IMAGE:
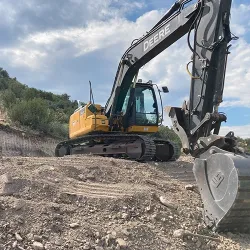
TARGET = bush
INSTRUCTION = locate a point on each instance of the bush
(3, 84)
(168, 134)
(8, 97)
(33, 113)
(58, 129)
(36, 109)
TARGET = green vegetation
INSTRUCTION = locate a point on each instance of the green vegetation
(244, 143)
(168, 133)
(36, 109)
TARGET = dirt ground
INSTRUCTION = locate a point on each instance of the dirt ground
(89, 202)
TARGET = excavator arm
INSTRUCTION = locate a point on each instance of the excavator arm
(174, 25)
(197, 118)
(221, 170)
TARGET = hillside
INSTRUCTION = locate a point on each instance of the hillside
(34, 109)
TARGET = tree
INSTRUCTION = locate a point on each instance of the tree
(30, 93)
(8, 97)
(3, 84)
(4, 73)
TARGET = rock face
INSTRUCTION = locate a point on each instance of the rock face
(97, 203)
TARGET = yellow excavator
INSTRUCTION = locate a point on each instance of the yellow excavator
(221, 169)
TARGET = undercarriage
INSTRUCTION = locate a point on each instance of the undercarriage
(135, 147)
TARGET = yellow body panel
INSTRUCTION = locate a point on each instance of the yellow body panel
(83, 121)
(143, 129)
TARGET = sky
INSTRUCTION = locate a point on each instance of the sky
(60, 45)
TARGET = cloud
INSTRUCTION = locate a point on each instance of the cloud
(241, 131)
(23, 57)
(240, 19)
(237, 87)
(49, 46)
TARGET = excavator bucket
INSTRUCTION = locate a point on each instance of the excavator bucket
(223, 179)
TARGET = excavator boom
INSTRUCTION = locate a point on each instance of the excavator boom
(221, 170)
(174, 25)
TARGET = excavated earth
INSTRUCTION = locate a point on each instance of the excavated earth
(89, 202)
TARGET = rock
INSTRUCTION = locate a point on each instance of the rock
(18, 237)
(30, 237)
(48, 246)
(37, 245)
(113, 233)
(6, 185)
(190, 187)
(179, 233)
(14, 244)
(81, 177)
(97, 234)
(58, 242)
(124, 216)
(90, 177)
(86, 246)
(108, 239)
(166, 203)
(122, 243)
(38, 238)
(125, 232)
(19, 204)
(6, 178)
(198, 243)
(74, 225)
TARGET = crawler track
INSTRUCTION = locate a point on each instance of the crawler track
(135, 147)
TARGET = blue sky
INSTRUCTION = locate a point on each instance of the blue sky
(60, 45)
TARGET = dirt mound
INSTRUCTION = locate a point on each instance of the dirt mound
(99, 203)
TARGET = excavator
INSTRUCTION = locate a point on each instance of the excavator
(221, 168)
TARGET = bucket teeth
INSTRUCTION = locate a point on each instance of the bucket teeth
(223, 179)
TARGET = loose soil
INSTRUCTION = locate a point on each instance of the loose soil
(89, 202)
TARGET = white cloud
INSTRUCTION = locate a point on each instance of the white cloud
(169, 68)
(24, 57)
(241, 131)
(237, 87)
(46, 47)
(240, 19)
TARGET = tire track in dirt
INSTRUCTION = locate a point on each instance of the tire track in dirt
(101, 190)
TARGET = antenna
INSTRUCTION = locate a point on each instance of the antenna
(91, 96)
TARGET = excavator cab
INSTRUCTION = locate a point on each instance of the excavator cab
(143, 116)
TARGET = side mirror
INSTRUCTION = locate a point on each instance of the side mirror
(165, 89)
